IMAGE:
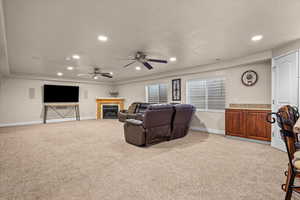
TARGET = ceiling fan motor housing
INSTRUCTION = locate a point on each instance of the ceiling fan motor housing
(140, 56)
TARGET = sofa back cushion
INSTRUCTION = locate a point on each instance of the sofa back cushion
(157, 122)
(142, 107)
(132, 108)
(182, 119)
(157, 115)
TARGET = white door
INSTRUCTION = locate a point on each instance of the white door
(284, 89)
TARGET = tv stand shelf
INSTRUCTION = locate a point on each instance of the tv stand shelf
(53, 106)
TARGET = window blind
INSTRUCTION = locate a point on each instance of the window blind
(157, 93)
(207, 94)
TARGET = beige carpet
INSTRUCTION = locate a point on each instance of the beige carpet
(90, 160)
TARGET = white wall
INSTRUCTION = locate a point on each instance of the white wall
(291, 46)
(4, 68)
(16, 107)
(235, 91)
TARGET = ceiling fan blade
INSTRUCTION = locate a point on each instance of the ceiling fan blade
(107, 75)
(84, 75)
(124, 58)
(129, 64)
(147, 65)
(157, 60)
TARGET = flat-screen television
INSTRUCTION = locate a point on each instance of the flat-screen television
(60, 93)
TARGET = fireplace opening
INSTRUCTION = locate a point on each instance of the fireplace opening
(110, 111)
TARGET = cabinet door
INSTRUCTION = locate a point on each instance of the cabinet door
(235, 123)
(256, 125)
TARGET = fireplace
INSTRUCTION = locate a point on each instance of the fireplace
(110, 111)
(101, 101)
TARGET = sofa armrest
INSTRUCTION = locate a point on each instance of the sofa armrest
(123, 111)
(134, 122)
(131, 116)
(139, 116)
(122, 116)
(134, 133)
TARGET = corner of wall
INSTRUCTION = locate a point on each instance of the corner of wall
(4, 66)
(285, 48)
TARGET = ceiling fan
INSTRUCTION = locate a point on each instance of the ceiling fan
(96, 73)
(141, 57)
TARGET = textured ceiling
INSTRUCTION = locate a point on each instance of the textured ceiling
(41, 34)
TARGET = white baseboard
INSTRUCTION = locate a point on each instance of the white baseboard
(20, 123)
(41, 121)
(248, 139)
(208, 130)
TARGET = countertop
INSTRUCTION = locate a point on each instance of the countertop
(244, 108)
(250, 106)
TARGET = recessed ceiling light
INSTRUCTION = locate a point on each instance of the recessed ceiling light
(138, 68)
(95, 77)
(76, 57)
(102, 38)
(59, 74)
(111, 73)
(70, 68)
(173, 59)
(256, 38)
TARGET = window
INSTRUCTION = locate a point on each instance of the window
(157, 93)
(207, 94)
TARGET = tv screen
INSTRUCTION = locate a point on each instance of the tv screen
(60, 93)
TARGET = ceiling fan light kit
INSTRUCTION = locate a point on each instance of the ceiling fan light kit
(140, 57)
(96, 73)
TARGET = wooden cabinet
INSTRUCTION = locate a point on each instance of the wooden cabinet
(248, 124)
(232, 127)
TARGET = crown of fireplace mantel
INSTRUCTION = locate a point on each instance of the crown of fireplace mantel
(108, 100)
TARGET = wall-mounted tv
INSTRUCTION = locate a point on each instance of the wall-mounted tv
(60, 93)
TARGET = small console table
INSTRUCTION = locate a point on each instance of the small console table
(53, 106)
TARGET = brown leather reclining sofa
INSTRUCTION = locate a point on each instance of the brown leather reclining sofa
(135, 111)
(161, 122)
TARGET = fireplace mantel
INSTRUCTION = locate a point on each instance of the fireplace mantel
(108, 100)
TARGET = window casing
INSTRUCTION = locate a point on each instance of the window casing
(157, 93)
(207, 94)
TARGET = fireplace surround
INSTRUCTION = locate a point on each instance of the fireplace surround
(108, 101)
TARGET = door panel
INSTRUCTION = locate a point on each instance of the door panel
(251, 129)
(235, 123)
(256, 125)
(284, 88)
